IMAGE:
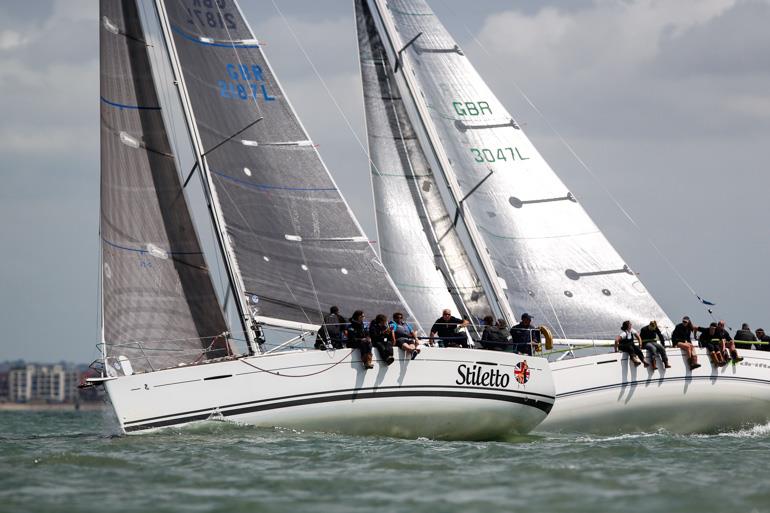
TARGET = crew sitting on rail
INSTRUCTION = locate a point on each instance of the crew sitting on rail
(682, 337)
(763, 341)
(625, 342)
(711, 339)
(446, 327)
(358, 338)
(404, 336)
(650, 335)
(728, 343)
(332, 333)
(524, 335)
(382, 338)
(744, 337)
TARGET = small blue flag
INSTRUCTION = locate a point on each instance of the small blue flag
(705, 302)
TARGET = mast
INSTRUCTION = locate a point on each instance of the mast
(429, 137)
(208, 188)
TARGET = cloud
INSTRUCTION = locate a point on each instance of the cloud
(48, 82)
(736, 41)
(328, 44)
(626, 63)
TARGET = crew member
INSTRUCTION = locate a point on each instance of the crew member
(358, 338)
(522, 335)
(404, 336)
(625, 342)
(744, 337)
(682, 338)
(650, 335)
(711, 339)
(446, 328)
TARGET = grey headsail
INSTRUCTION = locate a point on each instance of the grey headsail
(552, 260)
(418, 243)
(296, 243)
(159, 305)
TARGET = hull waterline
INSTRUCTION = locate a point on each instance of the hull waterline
(444, 394)
(606, 394)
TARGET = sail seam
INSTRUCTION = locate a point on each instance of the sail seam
(507, 237)
(118, 246)
(126, 106)
(272, 187)
(230, 44)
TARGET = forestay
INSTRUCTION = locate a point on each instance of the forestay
(296, 244)
(554, 261)
(418, 243)
(159, 305)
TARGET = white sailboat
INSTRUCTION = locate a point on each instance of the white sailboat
(502, 235)
(290, 248)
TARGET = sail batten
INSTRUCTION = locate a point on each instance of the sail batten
(549, 257)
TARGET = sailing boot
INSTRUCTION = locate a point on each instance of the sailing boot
(653, 364)
(368, 361)
(735, 357)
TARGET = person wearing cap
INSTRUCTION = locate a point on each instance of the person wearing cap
(650, 335)
(682, 338)
(446, 328)
(763, 341)
(522, 335)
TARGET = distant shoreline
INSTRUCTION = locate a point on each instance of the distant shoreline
(84, 406)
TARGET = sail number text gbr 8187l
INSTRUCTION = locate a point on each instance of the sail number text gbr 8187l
(290, 248)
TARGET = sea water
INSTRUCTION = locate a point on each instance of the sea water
(76, 462)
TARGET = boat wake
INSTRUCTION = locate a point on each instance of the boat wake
(757, 431)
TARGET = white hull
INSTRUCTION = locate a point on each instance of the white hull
(330, 391)
(607, 394)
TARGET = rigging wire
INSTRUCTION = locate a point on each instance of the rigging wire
(275, 373)
(321, 79)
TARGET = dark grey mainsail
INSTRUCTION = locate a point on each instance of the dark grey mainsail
(296, 244)
(159, 305)
(552, 259)
(418, 242)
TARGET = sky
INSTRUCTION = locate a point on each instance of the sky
(666, 102)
